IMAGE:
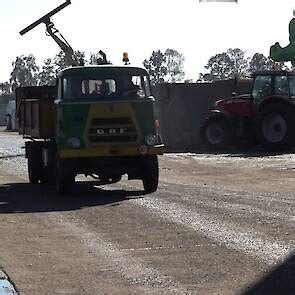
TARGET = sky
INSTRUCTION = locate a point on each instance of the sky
(197, 30)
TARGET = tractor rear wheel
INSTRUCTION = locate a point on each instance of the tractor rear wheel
(275, 127)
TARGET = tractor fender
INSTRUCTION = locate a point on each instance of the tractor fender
(217, 114)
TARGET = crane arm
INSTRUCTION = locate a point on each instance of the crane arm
(71, 60)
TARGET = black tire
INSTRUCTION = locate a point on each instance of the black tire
(275, 127)
(216, 134)
(64, 178)
(150, 178)
(34, 155)
(34, 169)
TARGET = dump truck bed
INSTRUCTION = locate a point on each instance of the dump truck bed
(36, 111)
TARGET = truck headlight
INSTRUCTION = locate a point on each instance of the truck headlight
(74, 142)
(151, 139)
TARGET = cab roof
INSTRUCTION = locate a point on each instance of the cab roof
(274, 73)
(103, 70)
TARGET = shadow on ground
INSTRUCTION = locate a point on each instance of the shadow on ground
(28, 198)
(280, 280)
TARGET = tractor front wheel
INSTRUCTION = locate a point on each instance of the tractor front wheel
(216, 134)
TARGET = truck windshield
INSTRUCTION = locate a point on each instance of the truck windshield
(101, 88)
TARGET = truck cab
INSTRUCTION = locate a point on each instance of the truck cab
(105, 110)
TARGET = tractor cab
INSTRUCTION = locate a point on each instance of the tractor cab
(268, 84)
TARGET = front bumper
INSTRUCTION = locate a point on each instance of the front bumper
(109, 151)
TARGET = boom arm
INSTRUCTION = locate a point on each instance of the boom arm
(71, 60)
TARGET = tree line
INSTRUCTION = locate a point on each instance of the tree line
(166, 66)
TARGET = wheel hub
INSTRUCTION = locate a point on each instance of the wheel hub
(215, 133)
(274, 127)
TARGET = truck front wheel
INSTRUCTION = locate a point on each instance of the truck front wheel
(150, 178)
(64, 178)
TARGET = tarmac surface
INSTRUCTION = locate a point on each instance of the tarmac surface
(218, 224)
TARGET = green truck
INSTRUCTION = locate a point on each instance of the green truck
(98, 121)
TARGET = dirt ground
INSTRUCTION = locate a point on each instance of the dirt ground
(218, 224)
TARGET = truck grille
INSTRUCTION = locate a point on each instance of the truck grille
(112, 130)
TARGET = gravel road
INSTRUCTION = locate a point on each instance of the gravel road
(218, 224)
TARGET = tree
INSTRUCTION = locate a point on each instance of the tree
(259, 62)
(5, 87)
(80, 55)
(240, 63)
(165, 67)
(156, 67)
(234, 64)
(219, 66)
(96, 59)
(59, 60)
(47, 74)
(226, 65)
(25, 71)
(174, 65)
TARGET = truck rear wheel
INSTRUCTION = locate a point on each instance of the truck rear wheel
(275, 127)
(215, 133)
(34, 155)
(150, 178)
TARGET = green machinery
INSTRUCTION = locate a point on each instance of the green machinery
(98, 120)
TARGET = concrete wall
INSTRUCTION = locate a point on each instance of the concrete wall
(183, 108)
(2, 113)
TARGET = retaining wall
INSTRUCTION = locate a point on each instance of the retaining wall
(3, 113)
(184, 106)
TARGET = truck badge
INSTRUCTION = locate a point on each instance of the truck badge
(101, 131)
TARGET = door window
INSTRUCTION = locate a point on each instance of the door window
(281, 85)
(261, 87)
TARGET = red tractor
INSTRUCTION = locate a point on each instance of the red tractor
(266, 116)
